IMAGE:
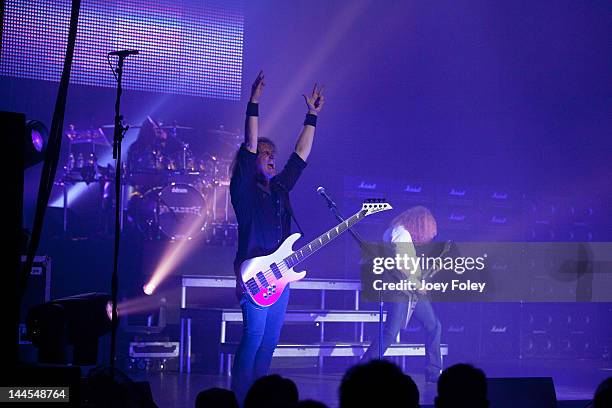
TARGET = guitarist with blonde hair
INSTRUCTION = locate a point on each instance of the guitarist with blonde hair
(411, 230)
(260, 197)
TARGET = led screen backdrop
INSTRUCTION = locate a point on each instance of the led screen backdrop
(186, 47)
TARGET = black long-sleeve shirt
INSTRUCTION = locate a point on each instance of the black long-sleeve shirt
(264, 218)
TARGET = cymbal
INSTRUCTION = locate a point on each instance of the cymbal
(224, 133)
(94, 136)
(113, 126)
(176, 127)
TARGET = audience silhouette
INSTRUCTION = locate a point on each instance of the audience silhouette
(462, 385)
(272, 391)
(378, 383)
(216, 398)
(603, 394)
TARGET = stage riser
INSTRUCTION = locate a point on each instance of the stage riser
(474, 331)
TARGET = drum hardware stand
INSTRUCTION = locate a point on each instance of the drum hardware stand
(119, 132)
(64, 183)
(185, 146)
(65, 209)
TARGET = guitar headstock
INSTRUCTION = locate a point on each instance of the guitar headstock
(374, 205)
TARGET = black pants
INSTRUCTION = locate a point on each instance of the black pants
(396, 316)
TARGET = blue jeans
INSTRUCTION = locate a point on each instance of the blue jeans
(396, 316)
(260, 333)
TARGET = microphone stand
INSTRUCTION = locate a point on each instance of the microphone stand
(119, 132)
(360, 241)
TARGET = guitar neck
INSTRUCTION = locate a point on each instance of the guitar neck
(323, 239)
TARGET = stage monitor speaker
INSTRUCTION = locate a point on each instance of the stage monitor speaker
(524, 392)
(38, 291)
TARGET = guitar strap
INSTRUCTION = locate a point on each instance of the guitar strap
(293, 216)
(289, 208)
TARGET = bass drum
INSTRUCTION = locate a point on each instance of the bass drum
(178, 211)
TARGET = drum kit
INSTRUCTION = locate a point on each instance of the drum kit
(173, 193)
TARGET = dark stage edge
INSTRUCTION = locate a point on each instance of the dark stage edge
(172, 389)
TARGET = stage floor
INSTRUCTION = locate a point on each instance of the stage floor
(572, 382)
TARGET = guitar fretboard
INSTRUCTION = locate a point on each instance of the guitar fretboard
(323, 239)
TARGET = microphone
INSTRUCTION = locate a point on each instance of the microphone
(327, 198)
(124, 53)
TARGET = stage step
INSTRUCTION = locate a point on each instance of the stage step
(312, 315)
(212, 318)
(339, 349)
(320, 350)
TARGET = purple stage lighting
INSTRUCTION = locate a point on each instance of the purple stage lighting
(36, 142)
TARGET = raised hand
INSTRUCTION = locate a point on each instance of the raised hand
(315, 100)
(257, 88)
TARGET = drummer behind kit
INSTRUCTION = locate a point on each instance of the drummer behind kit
(176, 194)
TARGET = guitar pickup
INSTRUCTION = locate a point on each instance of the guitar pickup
(252, 286)
(262, 279)
(276, 271)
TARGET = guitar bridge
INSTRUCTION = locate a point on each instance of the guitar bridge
(270, 290)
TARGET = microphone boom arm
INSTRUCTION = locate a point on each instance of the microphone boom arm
(334, 209)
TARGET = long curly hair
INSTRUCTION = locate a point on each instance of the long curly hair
(419, 222)
(149, 132)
